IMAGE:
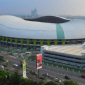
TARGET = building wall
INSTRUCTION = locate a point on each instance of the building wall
(62, 58)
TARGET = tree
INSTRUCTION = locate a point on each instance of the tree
(2, 80)
(70, 82)
(51, 83)
(14, 79)
(24, 81)
(41, 82)
(3, 77)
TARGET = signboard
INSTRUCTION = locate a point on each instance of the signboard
(39, 61)
(24, 68)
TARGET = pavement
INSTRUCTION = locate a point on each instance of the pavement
(53, 72)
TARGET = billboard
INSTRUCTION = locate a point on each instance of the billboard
(39, 61)
(24, 68)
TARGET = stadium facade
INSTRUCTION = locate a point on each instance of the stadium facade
(17, 32)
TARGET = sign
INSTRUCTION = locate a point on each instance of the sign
(24, 68)
(39, 61)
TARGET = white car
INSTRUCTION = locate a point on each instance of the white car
(15, 65)
(2, 67)
(57, 80)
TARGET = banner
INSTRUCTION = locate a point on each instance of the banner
(39, 61)
(24, 68)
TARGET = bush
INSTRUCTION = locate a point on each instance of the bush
(36, 75)
(70, 82)
(33, 73)
(51, 77)
(42, 78)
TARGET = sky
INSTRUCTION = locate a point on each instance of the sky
(44, 7)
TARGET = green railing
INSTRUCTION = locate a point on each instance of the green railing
(61, 66)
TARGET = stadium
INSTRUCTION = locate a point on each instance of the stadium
(33, 33)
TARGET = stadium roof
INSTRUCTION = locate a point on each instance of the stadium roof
(49, 19)
(11, 26)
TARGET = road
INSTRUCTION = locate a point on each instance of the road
(50, 70)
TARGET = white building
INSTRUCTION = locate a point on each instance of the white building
(18, 32)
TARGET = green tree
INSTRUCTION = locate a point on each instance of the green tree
(51, 83)
(24, 81)
(4, 73)
(2, 80)
(41, 82)
(14, 79)
(33, 83)
(70, 82)
(3, 77)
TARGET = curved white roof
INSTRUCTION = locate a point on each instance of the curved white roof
(11, 26)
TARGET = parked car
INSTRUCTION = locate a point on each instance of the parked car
(67, 77)
(1, 66)
(9, 53)
(15, 65)
(45, 74)
(28, 53)
(57, 80)
(83, 76)
(2, 58)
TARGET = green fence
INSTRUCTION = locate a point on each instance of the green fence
(62, 66)
(17, 50)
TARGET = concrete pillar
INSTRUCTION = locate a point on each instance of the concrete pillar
(27, 47)
(76, 42)
(82, 41)
(6, 44)
(16, 45)
(11, 44)
(34, 47)
(21, 46)
(3, 43)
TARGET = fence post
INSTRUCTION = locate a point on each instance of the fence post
(43, 62)
(67, 69)
(73, 71)
(62, 67)
(34, 60)
(79, 71)
(57, 66)
(47, 64)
